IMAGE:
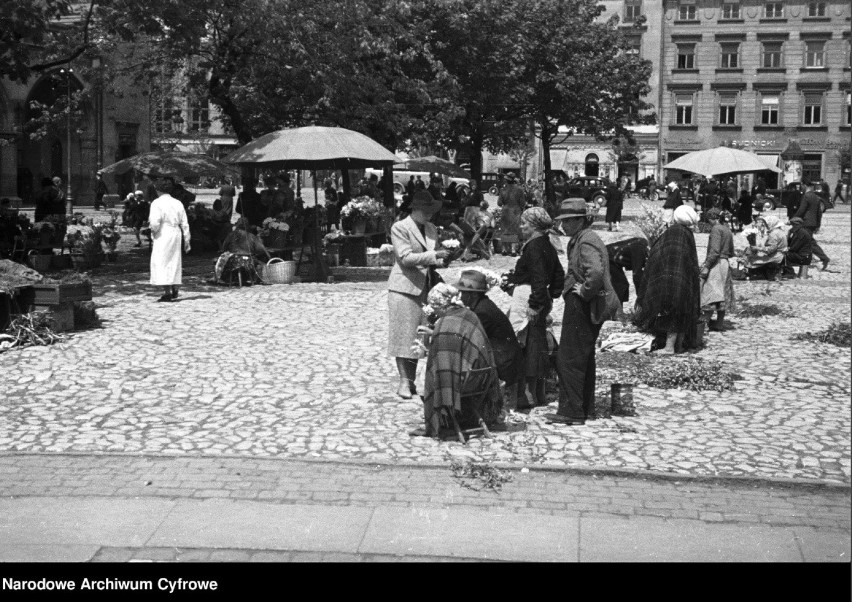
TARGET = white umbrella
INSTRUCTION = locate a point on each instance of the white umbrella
(720, 161)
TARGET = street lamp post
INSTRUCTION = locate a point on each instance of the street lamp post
(69, 201)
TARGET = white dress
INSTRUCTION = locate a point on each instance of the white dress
(168, 221)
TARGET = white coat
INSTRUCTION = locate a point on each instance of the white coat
(168, 222)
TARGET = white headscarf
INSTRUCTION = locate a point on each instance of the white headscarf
(685, 216)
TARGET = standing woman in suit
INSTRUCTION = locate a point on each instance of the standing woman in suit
(414, 239)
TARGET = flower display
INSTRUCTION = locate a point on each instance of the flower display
(270, 224)
(386, 249)
(450, 243)
(362, 207)
(492, 279)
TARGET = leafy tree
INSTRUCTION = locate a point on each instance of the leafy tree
(571, 70)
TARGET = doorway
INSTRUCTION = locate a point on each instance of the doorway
(592, 165)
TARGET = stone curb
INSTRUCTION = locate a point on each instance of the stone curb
(736, 480)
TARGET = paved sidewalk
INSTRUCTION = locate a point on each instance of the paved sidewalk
(126, 508)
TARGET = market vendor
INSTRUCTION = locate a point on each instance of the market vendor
(460, 365)
(241, 249)
(765, 260)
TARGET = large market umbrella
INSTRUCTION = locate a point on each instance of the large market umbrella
(181, 165)
(434, 164)
(314, 147)
(720, 161)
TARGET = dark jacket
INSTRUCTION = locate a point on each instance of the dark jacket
(630, 254)
(507, 351)
(539, 267)
(799, 246)
(673, 199)
(588, 265)
(810, 210)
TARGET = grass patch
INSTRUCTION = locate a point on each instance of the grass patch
(486, 475)
(664, 372)
(838, 334)
(760, 310)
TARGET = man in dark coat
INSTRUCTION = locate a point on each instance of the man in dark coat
(630, 254)
(507, 350)
(799, 244)
(589, 301)
(810, 210)
(100, 190)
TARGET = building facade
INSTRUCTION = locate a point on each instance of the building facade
(756, 75)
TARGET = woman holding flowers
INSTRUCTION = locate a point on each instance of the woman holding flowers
(414, 240)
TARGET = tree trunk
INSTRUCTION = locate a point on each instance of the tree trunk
(219, 95)
(476, 158)
(387, 173)
(546, 137)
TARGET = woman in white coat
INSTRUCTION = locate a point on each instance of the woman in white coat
(414, 239)
(169, 226)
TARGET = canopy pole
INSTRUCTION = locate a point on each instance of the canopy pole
(320, 272)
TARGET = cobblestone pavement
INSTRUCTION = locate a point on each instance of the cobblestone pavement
(301, 372)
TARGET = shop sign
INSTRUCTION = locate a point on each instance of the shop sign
(749, 143)
(683, 141)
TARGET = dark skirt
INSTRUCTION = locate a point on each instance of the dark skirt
(536, 351)
(510, 360)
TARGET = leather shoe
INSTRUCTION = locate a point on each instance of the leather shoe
(558, 418)
(165, 299)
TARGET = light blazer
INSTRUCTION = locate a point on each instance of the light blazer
(413, 254)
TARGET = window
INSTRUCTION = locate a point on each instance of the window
(199, 115)
(634, 44)
(812, 167)
(731, 10)
(163, 116)
(848, 109)
(727, 108)
(772, 55)
(816, 9)
(769, 109)
(632, 10)
(686, 56)
(686, 11)
(815, 54)
(683, 109)
(730, 55)
(774, 10)
(813, 109)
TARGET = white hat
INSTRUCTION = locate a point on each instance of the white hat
(139, 192)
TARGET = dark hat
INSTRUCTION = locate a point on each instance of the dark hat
(796, 221)
(423, 201)
(575, 207)
(472, 280)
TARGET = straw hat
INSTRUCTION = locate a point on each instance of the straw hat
(574, 207)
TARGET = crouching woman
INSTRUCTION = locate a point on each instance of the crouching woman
(461, 376)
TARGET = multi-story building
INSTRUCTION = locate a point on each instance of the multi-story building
(111, 127)
(755, 75)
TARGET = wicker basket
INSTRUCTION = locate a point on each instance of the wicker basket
(278, 271)
(40, 263)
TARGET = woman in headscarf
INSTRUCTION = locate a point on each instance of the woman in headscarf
(765, 260)
(461, 373)
(538, 279)
(241, 250)
(671, 292)
(717, 287)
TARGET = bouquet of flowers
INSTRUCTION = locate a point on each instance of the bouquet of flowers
(84, 240)
(492, 279)
(451, 244)
(386, 249)
(362, 207)
(109, 231)
(271, 223)
(335, 237)
(506, 282)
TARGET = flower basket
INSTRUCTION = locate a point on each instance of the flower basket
(40, 263)
(278, 271)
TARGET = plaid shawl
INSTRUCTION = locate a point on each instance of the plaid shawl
(670, 289)
(459, 345)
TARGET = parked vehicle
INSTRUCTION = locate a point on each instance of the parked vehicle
(400, 179)
(789, 196)
(591, 189)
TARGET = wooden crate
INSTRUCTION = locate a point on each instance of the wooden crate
(62, 314)
(55, 294)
